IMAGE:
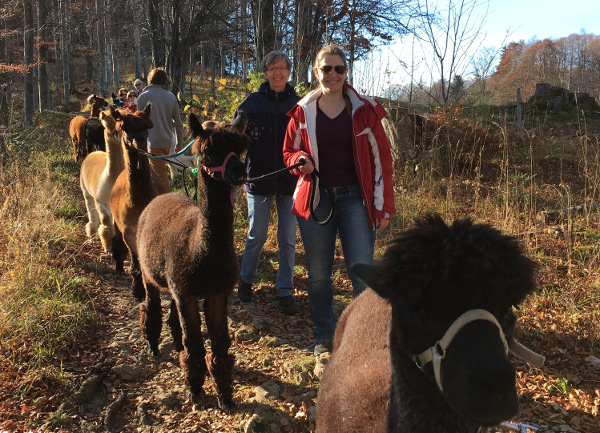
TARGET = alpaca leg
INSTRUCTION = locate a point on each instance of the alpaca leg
(175, 327)
(220, 363)
(76, 155)
(151, 317)
(91, 228)
(106, 230)
(119, 250)
(191, 358)
(137, 285)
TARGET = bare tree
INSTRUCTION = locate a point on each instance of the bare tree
(361, 25)
(451, 34)
(309, 28)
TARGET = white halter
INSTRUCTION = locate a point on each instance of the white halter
(437, 352)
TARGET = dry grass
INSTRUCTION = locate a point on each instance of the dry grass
(44, 304)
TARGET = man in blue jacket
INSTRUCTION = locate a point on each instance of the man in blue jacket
(266, 111)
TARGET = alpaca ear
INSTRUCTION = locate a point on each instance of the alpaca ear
(196, 127)
(116, 114)
(148, 109)
(240, 122)
(367, 273)
(370, 275)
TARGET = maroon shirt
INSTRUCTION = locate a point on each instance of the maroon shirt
(336, 158)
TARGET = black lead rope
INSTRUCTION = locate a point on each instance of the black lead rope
(313, 188)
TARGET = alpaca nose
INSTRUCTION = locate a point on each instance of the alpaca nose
(499, 375)
(235, 171)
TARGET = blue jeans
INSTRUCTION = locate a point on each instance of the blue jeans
(358, 243)
(259, 211)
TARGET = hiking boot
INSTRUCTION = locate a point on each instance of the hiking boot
(245, 291)
(289, 305)
(322, 347)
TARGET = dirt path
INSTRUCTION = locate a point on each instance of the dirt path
(127, 390)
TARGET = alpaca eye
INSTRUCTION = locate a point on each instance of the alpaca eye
(423, 316)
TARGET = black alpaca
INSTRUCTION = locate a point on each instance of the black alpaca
(402, 362)
(186, 249)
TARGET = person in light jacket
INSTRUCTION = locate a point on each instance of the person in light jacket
(166, 118)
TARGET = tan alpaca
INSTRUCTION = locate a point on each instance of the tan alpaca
(135, 187)
(99, 171)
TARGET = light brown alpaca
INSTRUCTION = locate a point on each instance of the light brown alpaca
(98, 174)
(135, 187)
(77, 134)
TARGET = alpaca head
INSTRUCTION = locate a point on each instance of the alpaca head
(220, 146)
(107, 117)
(97, 101)
(432, 274)
(134, 126)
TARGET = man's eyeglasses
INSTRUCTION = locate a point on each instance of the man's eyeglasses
(339, 69)
(138, 85)
(272, 70)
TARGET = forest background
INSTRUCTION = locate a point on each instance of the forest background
(48, 48)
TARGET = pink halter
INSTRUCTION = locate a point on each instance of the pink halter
(220, 169)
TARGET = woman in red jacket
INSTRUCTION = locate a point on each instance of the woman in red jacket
(338, 132)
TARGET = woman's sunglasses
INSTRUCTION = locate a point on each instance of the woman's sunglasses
(339, 69)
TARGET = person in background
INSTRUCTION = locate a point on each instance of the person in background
(139, 86)
(131, 104)
(123, 95)
(267, 122)
(166, 118)
(339, 133)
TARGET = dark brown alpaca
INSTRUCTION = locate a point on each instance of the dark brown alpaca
(440, 292)
(186, 249)
(135, 187)
(88, 136)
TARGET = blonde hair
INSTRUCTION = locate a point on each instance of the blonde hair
(335, 50)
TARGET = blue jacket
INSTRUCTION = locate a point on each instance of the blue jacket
(266, 111)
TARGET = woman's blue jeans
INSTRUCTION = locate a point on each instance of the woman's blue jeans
(358, 243)
(259, 211)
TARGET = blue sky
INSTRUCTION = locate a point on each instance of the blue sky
(524, 20)
(552, 19)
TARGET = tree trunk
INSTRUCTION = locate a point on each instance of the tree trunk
(4, 80)
(64, 56)
(264, 31)
(174, 62)
(137, 37)
(28, 36)
(44, 87)
(100, 36)
(157, 34)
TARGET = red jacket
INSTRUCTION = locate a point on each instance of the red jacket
(372, 156)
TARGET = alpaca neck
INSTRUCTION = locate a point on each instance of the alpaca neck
(216, 208)
(416, 405)
(138, 174)
(114, 154)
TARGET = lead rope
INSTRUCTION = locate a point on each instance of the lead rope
(313, 189)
